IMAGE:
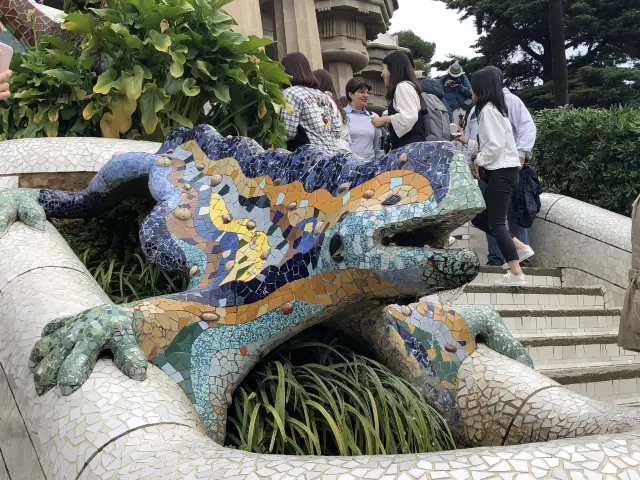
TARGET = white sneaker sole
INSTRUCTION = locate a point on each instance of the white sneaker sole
(529, 254)
(522, 283)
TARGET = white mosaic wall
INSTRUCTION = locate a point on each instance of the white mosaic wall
(61, 154)
(592, 245)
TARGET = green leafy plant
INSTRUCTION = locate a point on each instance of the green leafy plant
(321, 398)
(148, 66)
(590, 154)
(51, 84)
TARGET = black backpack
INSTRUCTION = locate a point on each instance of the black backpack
(526, 202)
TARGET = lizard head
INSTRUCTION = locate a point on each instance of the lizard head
(397, 223)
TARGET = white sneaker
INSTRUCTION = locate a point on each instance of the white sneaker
(523, 254)
(452, 240)
(510, 280)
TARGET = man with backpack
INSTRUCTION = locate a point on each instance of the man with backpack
(526, 200)
(457, 91)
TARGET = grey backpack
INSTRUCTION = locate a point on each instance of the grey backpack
(436, 118)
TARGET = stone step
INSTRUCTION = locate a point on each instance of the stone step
(551, 277)
(547, 296)
(617, 383)
(542, 320)
(577, 352)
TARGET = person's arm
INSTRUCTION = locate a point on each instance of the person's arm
(465, 87)
(291, 118)
(491, 130)
(470, 132)
(407, 104)
(377, 142)
(524, 125)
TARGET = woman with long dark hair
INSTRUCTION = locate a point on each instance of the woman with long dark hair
(498, 165)
(326, 86)
(313, 119)
(405, 117)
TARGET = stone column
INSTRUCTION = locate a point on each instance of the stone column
(247, 14)
(343, 41)
(297, 29)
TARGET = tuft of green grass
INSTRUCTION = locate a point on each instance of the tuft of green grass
(321, 398)
(109, 247)
(132, 279)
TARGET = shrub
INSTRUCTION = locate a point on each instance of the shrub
(147, 66)
(321, 398)
(590, 154)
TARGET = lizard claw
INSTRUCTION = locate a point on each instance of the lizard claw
(22, 204)
(68, 351)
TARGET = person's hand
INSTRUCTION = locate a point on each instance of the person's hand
(379, 121)
(522, 160)
(4, 86)
(462, 139)
(475, 170)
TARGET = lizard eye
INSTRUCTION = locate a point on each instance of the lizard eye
(336, 248)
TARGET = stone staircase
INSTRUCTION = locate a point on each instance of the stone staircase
(570, 332)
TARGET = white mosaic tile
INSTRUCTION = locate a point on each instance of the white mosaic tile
(64, 154)
(9, 181)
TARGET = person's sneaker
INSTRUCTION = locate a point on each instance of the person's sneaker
(494, 263)
(452, 241)
(511, 280)
(523, 254)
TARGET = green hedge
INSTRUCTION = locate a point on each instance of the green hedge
(590, 154)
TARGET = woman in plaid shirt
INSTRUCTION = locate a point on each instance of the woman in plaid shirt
(313, 119)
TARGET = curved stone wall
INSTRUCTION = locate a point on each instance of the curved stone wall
(47, 162)
(590, 244)
(114, 427)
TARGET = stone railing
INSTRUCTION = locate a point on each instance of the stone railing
(590, 244)
(115, 427)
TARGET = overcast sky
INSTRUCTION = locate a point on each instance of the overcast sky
(432, 21)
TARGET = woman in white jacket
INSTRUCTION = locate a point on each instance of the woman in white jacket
(498, 165)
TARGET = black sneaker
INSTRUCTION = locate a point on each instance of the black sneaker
(494, 263)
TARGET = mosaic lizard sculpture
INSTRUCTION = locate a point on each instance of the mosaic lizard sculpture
(275, 242)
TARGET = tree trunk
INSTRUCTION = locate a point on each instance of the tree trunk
(558, 53)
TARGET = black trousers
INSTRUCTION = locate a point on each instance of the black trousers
(500, 186)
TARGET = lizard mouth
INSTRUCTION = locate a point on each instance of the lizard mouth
(418, 233)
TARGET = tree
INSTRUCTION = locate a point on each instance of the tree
(558, 53)
(600, 33)
(590, 87)
(420, 48)
(420, 64)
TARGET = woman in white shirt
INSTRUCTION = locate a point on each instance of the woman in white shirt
(405, 119)
(498, 165)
